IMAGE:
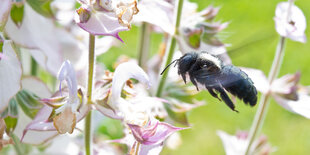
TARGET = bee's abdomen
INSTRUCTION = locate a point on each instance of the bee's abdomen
(239, 84)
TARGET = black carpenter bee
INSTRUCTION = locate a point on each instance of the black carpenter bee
(208, 71)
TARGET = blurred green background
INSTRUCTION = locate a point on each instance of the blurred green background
(253, 40)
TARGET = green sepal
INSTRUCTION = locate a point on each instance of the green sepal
(29, 103)
(17, 14)
(42, 7)
(10, 116)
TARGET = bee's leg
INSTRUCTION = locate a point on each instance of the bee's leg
(212, 93)
(184, 77)
(226, 98)
(194, 82)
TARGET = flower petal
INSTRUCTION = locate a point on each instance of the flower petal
(286, 86)
(301, 106)
(4, 12)
(37, 32)
(66, 72)
(151, 149)
(232, 144)
(10, 75)
(31, 133)
(162, 132)
(108, 112)
(124, 72)
(158, 13)
(295, 27)
(103, 23)
(40, 88)
(154, 133)
(65, 121)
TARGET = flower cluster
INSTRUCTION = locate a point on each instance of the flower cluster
(51, 96)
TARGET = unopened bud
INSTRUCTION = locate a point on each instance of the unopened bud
(193, 37)
(84, 14)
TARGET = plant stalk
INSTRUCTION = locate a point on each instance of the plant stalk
(171, 48)
(144, 44)
(264, 102)
(91, 60)
(17, 145)
(137, 148)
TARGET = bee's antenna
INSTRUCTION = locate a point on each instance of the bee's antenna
(168, 66)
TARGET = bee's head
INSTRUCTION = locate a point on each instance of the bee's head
(185, 63)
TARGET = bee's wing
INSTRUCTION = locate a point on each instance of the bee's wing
(237, 82)
(233, 80)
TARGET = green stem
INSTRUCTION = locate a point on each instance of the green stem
(264, 102)
(88, 134)
(34, 67)
(91, 60)
(144, 44)
(171, 48)
(137, 148)
(16, 145)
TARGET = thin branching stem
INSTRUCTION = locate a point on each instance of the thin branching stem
(264, 102)
(91, 60)
(171, 48)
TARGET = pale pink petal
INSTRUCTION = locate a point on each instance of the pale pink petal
(259, 79)
(35, 136)
(124, 72)
(67, 73)
(108, 112)
(163, 131)
(232, 144)
(67, 143)
(301, 106)
(37, 32)
(286, 86)
(295, 27)
(5, 8)
(40, 89)
(104, 44)
(103, 23)
(159, 13)
(154, 133)
(41, 124)
(10, 75)
(150, 149)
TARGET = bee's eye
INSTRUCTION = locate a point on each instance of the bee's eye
(204, 66)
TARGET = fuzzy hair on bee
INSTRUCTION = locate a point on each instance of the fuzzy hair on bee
(208, 71)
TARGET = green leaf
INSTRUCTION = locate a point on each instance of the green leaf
(29, 103)
(17, 14)
(42, 7)
(10, 115)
